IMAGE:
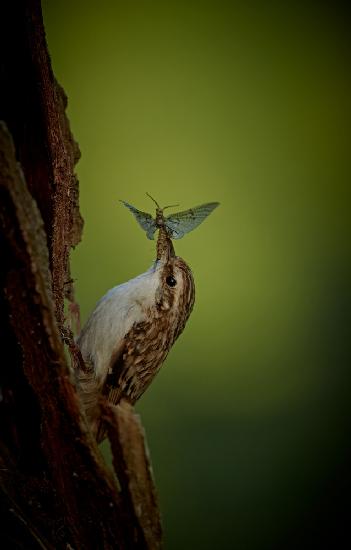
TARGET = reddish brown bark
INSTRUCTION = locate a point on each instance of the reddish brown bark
(55, 489)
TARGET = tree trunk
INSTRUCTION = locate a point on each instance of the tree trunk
(55, 489)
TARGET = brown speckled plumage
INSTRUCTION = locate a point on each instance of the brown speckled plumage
(147, 344)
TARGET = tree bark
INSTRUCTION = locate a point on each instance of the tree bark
(55, 489)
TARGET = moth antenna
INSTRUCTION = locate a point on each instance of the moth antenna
(170, 206)
(158, 206)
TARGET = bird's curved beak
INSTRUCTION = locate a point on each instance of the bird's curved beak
(164, 247)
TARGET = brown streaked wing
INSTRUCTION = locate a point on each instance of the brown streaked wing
(112, 387)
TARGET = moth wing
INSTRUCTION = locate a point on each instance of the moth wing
(183, 222)
(145, 220)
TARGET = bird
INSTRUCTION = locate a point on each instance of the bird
(131, 330)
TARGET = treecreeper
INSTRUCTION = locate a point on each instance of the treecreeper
(128, 335)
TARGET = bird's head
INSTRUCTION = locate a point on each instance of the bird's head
(175, 290)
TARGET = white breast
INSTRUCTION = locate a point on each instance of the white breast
(114, 315)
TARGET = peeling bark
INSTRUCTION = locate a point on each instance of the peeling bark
(55, 489)
(33, 106)
(133, 469)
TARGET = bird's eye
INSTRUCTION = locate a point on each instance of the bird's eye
(170, 280)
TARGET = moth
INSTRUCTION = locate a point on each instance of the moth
(176, 225)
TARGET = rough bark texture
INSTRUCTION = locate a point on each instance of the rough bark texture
(133, 469)
(55, 489)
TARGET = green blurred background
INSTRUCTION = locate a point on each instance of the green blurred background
(246, 103)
